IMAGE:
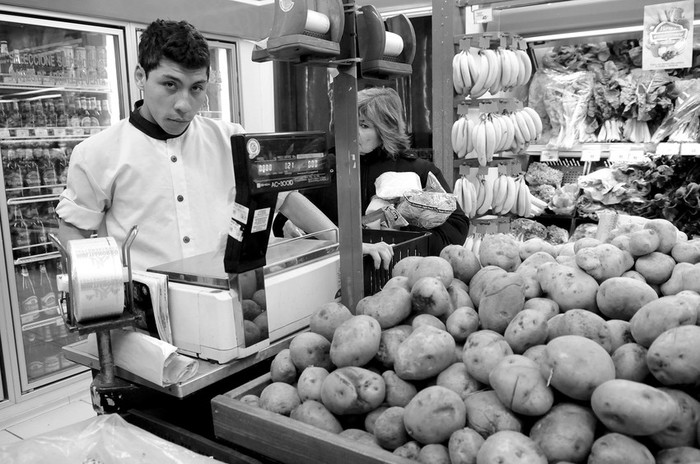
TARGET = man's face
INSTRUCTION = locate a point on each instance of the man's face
(172, 95)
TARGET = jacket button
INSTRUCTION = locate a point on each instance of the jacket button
(180, 198)
(186, 239)
(173, 159)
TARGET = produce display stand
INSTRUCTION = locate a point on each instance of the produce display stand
(287, 440)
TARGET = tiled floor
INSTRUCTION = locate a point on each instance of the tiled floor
(67, 414)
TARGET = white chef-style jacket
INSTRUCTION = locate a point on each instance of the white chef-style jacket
(177, 190)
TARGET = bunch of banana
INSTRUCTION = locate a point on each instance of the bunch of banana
(462, 139)
(636, 131)
(505, 192)
(527, 127)
(477, 71)
(523, 199)
(485, 140)
(467, 197)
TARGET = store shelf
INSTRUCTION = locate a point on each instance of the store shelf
(62, 134)
(52, 84)
(589, 150)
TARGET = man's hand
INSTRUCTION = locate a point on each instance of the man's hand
(381, 252)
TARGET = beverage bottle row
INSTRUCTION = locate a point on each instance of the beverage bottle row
(68, 64)
(62, 111)
(30, 226)
(36, 294)
(42, 349)
(35, 168)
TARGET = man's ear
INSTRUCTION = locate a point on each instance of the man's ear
(139, 76)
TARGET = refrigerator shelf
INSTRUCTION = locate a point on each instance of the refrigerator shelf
(33, 198)
(53, 84)
(41, 318)
(36, 258)
(48, 134)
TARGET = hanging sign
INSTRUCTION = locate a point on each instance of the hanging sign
(668, 35)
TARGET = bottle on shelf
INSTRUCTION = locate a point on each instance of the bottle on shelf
(94, 112)
(74, 112)
(30, 169)
(14, 118)
(5, 58)
(61, 156)
(85, 120)
(62, 118)
(50, 111)
(52, 360)
(20, 233)
(28, 300)
(38, 231)
(45, 292)
(3, 116)
(47, 170)
(12, 168)
(105, 115)
(39, 115)
(51, 221)
(33, 351)
(25, 109)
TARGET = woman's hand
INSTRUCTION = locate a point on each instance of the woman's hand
(381, 252)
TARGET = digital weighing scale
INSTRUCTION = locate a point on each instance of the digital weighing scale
(208, 295)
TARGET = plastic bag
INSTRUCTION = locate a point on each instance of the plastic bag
(564, 199)
(106, 439)
(566, 100)
(392, 185)
(426, 209)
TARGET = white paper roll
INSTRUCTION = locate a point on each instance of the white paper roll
(393, 45)
(317, 22)
(97, 278)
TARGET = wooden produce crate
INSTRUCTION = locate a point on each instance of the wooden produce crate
(284, 439)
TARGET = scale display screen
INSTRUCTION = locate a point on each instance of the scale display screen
(277, 162)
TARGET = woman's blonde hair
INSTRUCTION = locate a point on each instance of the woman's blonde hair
(382, 107)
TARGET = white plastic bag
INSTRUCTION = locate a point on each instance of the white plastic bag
(106, 439)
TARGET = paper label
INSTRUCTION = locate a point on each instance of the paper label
(668, 35)
(235, 231)
(549, 155)
(619, 154)
(23, 133)
(668, 148)
(4, 133)
(690, 149)
(590, 154)
(239, 213)
(260, 220)
(41, 132)
(483, 15)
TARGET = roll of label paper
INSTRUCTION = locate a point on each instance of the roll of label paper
(317, 22)
(97, 277)
(393, 45)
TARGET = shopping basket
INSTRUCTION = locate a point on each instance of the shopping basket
(406, 243)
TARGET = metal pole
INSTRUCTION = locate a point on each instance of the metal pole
(104, 352)
(348, 165)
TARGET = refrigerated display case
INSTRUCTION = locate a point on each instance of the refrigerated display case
(60, 82)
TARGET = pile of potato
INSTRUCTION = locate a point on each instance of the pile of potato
(587, 352)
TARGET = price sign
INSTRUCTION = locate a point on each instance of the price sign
(636, 155)
(4, 133)
(690, 149)
(23, 133)
(41, 132)
(549, 155)
(619, 154)
(668, 148)
(483, 15)
(590, 154)
(59, 131)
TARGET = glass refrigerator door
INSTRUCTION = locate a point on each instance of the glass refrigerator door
(59, 84)
(223, 101)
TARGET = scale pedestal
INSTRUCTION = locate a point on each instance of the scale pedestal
(106, 390)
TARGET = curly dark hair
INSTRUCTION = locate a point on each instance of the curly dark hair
(178, 41)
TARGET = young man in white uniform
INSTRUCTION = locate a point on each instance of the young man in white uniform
(165, 168)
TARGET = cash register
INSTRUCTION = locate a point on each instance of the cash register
(232, 303)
